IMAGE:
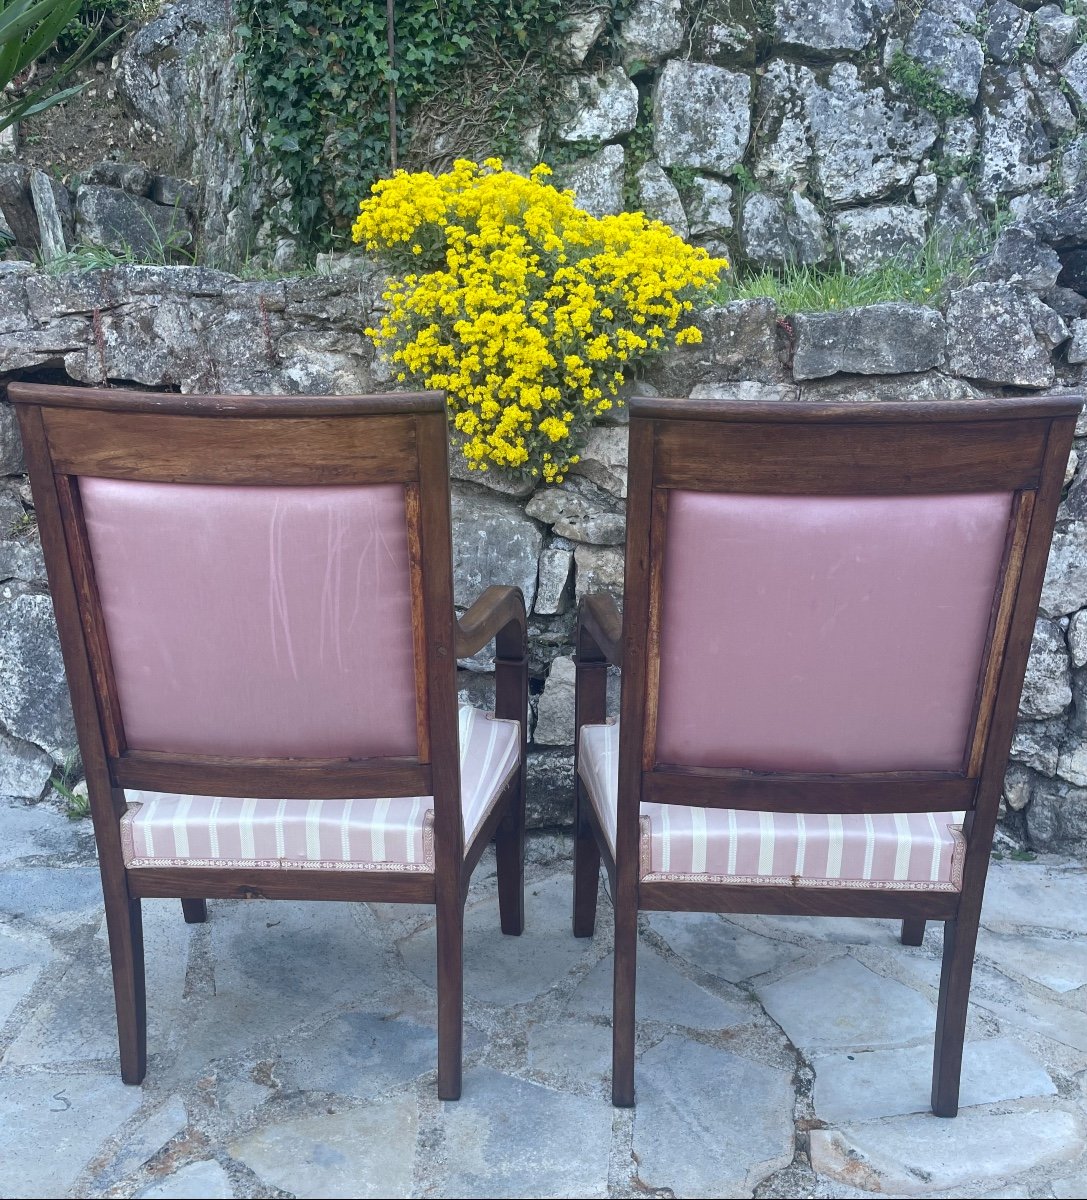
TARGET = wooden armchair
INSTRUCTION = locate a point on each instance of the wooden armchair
(255, 603)
(827, 614)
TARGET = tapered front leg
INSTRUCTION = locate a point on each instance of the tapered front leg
(960, 938)
(124, 924)
(450, 931)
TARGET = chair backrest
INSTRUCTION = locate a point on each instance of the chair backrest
(257, 590)
(828, 608)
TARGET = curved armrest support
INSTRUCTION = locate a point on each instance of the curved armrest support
(599, 644)
(600, 630)
(500, 614)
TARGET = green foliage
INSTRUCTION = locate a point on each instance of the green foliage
(64, 781)
(28, 30)
(319, 71)
(98, 20)
(161, 252)
(953, 166)
(925, 89)
(919, 278)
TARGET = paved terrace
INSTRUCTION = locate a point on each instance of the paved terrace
(292, 1048)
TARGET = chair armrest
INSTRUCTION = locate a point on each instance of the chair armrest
(500, 614)
(599, 644)
(600, 630)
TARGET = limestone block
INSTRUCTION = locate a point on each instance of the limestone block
(659, 198)
(1017, 785)
(1077, 638)
(870, 237)
(129, 177)
(1035, 743)
(830, 26)
(581, 34)
(1065, 587)
(552, 596)
(1006, 30)
(579, 510)
(865, 145)
(493, 543)
(1001, 333)
(1015, 150)
(603, 459)
(775, 231)
(878, 339)
(118, 221)
(34, 701)
(555, 713)
(599, 569)
(865, 389)
(15, 205)
(957, 214)
(597, 181)
(53, 207)
(724, 36)
(1056, 34)
(702, 116)
(601, 107)
(1047, 688)
(25, 770)
(1075, 74)
(739, 342)
(1018, 257)
(1057, 817)
(11, 446)
(650, 32)
(782, 131)
(1058, 117)
(709, 206)
(953, 56)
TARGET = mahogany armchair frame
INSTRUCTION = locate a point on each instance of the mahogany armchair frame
(1019, 445)
(70, 432)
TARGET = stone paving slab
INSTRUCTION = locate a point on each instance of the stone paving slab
(293, 1052)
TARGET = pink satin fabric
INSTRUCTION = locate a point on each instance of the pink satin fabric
(257, 621)
(825, 634)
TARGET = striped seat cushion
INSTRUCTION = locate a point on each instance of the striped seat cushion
(898, 851)
(163, 830)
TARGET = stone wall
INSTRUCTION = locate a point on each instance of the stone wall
(194, 329)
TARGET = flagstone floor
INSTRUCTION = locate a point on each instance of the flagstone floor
(292, 1047)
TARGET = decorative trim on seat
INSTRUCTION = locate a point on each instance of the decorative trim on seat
(391, 834)
(915, 852)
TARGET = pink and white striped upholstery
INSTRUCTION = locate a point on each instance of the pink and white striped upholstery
(897, 851)
(396, 834)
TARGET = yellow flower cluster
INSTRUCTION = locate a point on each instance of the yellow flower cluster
(523, 308)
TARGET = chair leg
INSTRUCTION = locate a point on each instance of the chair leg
(622, 1028)
(960, 938)
(509, 845)
(586, 869)
(196, 911)
(913, 931)
(450, 930)
(124, 923)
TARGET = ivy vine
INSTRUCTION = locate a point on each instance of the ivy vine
(319, 70)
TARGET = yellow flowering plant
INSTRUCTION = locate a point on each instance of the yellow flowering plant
(525, 309)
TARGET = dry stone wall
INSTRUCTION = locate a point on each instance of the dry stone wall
(193, 329)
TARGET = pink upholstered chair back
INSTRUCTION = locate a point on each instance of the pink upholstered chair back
(826, 634)
(261, 622)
